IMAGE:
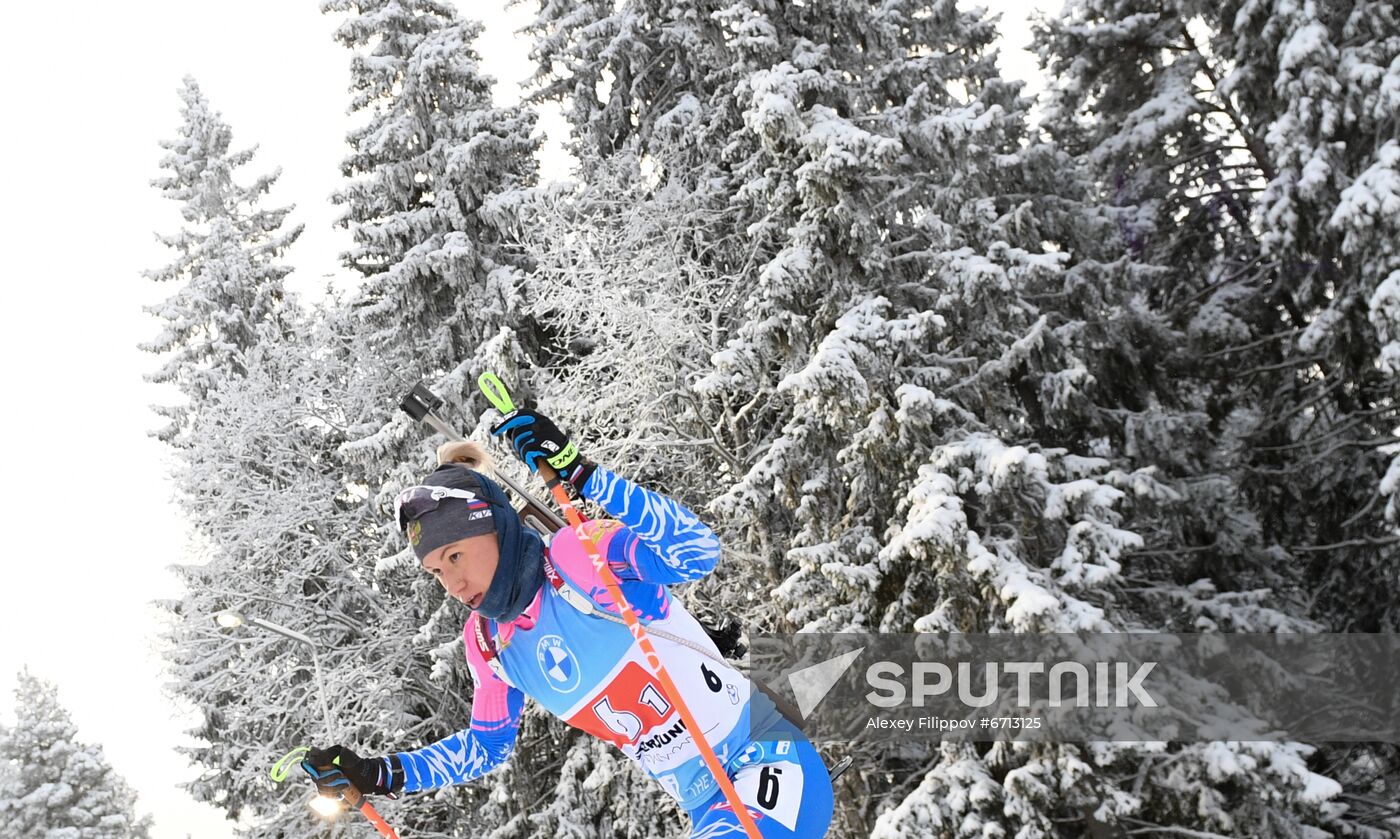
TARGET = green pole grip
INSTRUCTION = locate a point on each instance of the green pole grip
(283, 767)
(495, 391)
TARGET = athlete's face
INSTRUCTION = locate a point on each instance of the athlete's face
(465, 567)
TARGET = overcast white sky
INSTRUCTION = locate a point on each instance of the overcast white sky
(85, 500)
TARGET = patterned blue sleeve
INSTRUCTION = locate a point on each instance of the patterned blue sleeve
(468, 754)
(663, 541)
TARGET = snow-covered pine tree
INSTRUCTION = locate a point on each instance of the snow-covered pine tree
(913, 383)
(944, 445)
(1318, 81)
(1172, 175)
(1251, 142)
(433, 152)
(1256, 142)
(622, 266)
(237, 442)
(52, 784)
(649, 231)
(622, 70)
(279, 536)
(226, 259)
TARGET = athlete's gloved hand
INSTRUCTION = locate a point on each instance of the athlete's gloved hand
(535, 437)
(337, 768)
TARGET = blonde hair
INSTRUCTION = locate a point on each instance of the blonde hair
(473, 455)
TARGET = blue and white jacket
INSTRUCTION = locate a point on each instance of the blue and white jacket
(589, 671)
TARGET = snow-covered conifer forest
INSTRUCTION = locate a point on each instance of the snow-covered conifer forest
(927, 353)
(52, 785)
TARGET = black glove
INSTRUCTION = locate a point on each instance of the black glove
(337, 769)
(535, 436)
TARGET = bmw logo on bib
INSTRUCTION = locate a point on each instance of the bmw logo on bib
(558, 663)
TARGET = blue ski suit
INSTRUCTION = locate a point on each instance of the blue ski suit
(589, 672)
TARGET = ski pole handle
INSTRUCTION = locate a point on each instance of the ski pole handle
(495, 392)
(282, 768)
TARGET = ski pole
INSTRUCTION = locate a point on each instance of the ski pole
(495, 392)
(351, 797)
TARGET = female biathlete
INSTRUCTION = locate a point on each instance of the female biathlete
(543, 625)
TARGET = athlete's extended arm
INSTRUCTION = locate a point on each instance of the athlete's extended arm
(475, 750)
(667, 543)
(663, 541)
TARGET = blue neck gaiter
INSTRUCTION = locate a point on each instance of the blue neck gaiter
(520, 572)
